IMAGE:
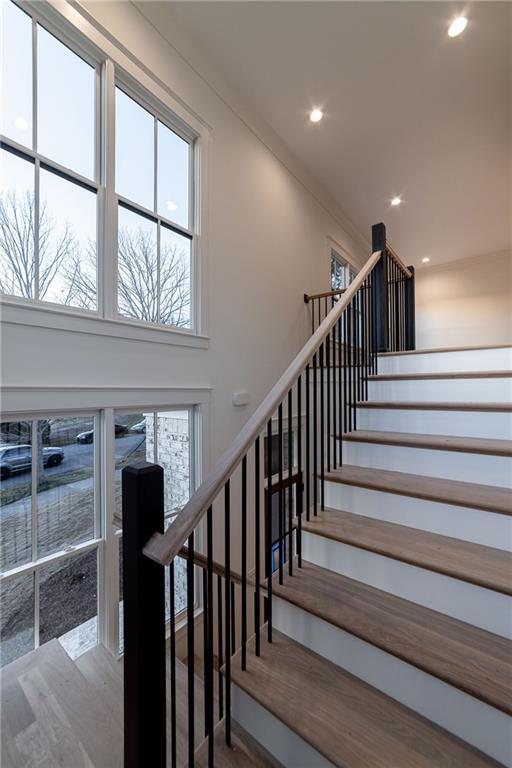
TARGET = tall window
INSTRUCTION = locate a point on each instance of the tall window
(48, 167)
(54, 162)
(154, 236)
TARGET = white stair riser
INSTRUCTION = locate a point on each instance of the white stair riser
(283, 743)
(452, 465)
(464, 360)
(483, 608)
(468, 718)
(448, 390)
(488, 528)
(497, 426)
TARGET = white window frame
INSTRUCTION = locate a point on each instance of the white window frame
(32, 155)
(115, 66)
(34, 566)
(159, 114)
(105, 404)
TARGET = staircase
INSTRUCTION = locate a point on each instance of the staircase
(348, 573)
(393, 639)
(356, 579)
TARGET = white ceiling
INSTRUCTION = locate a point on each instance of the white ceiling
(408, 111)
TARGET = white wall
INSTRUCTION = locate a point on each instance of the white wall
(466, 302)
(267, 246)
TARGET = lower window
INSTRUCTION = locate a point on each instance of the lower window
(49, 528)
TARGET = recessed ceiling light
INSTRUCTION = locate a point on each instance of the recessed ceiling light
(171, 205)
(457, 26)
(21, 123)
(316, 115)
(396, 201)
(425, 260)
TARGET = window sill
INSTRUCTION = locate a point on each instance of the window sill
(14, 312)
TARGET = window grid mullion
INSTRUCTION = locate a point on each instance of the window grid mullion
(33, 520)
(155, 205)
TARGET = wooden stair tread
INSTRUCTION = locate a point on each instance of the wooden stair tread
(455, 492)
(245, 752)
(471, 659)
(433, 405)
(475, 563)
(440, 375)
(445, 349)
(480, 445)
(346, 720)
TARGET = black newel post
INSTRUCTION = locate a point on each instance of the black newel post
(144, 619)
(380, 289)
(410, 326)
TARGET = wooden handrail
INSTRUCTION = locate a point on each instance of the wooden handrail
(407, 272)
(163, 548)
(311, 296)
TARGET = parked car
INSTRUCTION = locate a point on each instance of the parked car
(140, 427)
(18, 458)
(88, 437)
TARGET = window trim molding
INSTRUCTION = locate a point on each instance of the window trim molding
(41, 314)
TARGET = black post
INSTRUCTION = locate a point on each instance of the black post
(144, 619)
(380, 287)
(410, 313)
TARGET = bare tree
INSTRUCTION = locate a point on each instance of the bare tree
(139, 277)
(147, 290)
(17, 246)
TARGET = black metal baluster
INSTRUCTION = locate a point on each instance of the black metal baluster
(257, 563)
(334, 399)
(364, 331)
(315, 435)
(282, 547)
(206, 650)
(209, 589)
(308, 452)
(290, 485)
(233, 619)
(190, 649)
(227, 608)
(322, 427)
(244, 564)
(220, 648)
(172, 644)
(339, 442)
(351, 365)
(300, 486)
(328, 399)
(346, 414)
(269, 530)
(358, 345)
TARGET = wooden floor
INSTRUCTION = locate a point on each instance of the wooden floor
(350, 723)
(455, 492)
(52, 717)
(472, 660)
(477, 564)
(57, 712)
(479, 445)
